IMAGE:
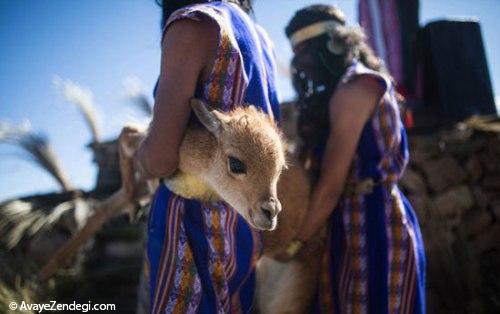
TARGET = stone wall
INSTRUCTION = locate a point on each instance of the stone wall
(453, 183)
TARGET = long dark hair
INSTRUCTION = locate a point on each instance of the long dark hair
(170, 6)
(351, 37)
(324, 69)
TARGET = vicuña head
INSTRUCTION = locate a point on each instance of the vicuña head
(239, 160)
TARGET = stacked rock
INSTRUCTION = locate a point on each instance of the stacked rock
(453, 183)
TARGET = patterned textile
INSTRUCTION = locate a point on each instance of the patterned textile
(374, 261)
(380, 19)
(201, 256)
(392, 27)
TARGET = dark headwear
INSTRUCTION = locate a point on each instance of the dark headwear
(170, 6)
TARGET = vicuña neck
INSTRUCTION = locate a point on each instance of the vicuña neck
(197, 151)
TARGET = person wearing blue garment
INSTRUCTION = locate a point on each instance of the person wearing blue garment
(201, 256)
(356, 147)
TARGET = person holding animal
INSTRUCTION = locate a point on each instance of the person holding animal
(201, 255)
(356, 147)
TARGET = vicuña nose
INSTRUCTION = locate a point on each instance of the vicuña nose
(271, 208)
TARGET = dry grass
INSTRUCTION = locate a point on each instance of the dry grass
(37, 149)
(137, 96)
(20, 292)
(19, 219)
(84, 100)
(17, 283)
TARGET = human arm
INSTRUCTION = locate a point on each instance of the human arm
(350, 108)
(188, 51)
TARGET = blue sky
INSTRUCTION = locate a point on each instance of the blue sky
(98, 44)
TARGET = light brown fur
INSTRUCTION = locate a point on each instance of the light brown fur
(252, 136)
(288, 287)
(248, 135)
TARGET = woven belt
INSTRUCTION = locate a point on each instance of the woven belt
(365, 186)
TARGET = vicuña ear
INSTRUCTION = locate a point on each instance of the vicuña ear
(211, 119)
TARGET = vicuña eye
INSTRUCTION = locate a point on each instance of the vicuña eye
(236, 165)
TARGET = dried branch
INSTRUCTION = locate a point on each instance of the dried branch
(127, 198)
(38, 149)
(108, 208)
(137, 96)
(83, 99)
